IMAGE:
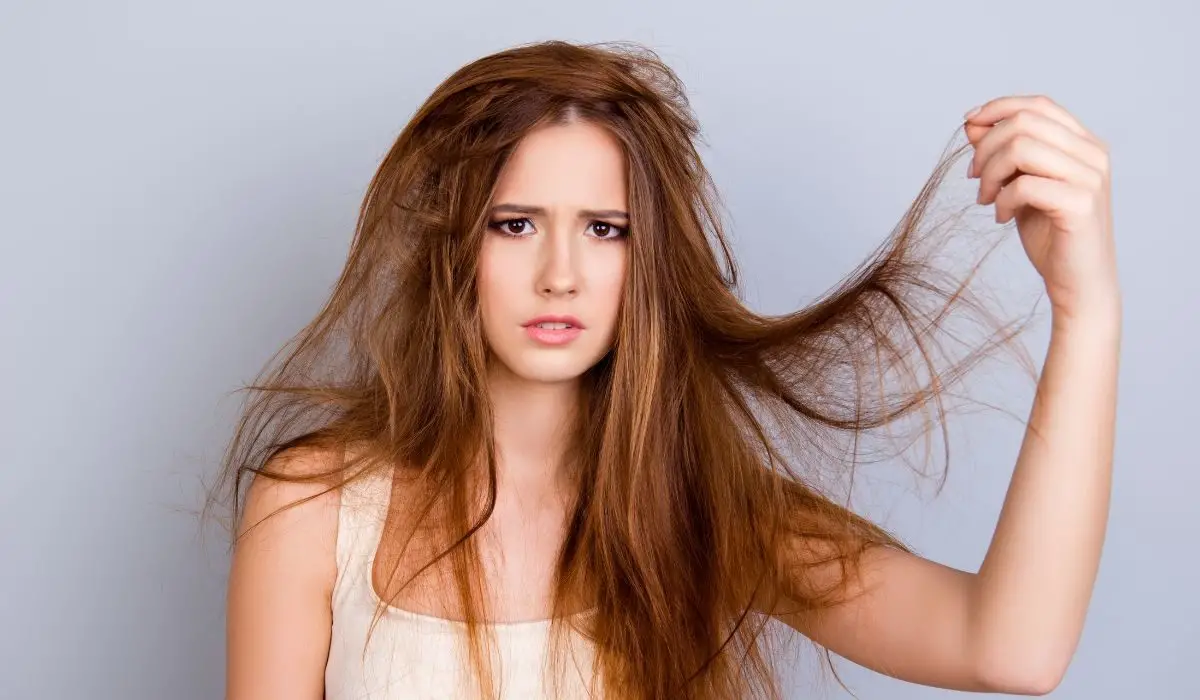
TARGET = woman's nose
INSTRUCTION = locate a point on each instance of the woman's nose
(558, 271)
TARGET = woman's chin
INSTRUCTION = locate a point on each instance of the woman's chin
(548, 370)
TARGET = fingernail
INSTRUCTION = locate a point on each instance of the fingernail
(971, 113)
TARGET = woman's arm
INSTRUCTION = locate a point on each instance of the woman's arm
(1014, 626)
(280, 582)
(1033, 589)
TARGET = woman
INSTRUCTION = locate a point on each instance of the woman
(535, 446)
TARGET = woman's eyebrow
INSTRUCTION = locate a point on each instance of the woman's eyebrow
(541, 211)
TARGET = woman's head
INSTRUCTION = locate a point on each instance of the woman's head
(696, 410)
(601, 142)
(552, 261)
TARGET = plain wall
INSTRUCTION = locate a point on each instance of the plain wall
(179, 184)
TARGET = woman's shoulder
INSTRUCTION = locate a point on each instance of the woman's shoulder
(291, 508)
(296, 508)
(324, 486)
(282, 574)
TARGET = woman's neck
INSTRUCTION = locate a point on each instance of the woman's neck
(533, 421)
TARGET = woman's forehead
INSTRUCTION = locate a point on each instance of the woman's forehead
(577, 165)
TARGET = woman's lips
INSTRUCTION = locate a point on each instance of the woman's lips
(563, 329)
(552, 336)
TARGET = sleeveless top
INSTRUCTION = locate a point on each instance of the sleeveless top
(412, 656)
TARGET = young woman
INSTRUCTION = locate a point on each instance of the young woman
(535, 446)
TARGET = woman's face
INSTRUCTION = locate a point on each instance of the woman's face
(552, 266)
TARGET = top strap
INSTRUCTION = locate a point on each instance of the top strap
(361, 516)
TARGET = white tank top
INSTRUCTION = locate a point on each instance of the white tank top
(413, 656)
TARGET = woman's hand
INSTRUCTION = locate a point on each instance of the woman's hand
(1039, 165)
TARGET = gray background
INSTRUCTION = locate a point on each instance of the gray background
(179, 183)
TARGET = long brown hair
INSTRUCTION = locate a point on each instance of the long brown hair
(702, 436)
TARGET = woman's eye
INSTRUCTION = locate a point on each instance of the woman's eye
(603, 229)
(512, 227)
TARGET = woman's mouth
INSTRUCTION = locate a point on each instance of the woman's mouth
(556, 330)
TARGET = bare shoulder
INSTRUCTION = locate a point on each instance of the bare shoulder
(282, 513)
(281, 578)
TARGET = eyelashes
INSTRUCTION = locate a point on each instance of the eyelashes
(502, 226)
(523, 227)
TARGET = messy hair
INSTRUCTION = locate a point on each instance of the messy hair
(705, 437)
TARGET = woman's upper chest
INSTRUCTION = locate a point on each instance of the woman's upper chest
(517, 548)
